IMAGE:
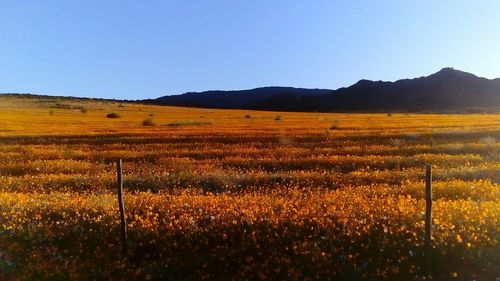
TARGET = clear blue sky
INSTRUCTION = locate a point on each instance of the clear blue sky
(146, 49)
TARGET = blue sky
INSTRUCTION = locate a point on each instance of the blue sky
(146, 49)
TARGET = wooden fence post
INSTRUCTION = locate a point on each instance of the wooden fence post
(121, 205)
(428, 218)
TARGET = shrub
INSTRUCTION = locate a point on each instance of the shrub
(113, 115)
(51, 112)
(335, 125)
(248, 116)
(84, 109)
(121, 105)
(148, 122)
(278, 118)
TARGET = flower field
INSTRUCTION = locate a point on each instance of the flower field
(243, 195)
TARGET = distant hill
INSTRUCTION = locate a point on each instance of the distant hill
(447, 90)
(237, 99)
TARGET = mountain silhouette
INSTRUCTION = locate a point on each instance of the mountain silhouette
(446, 90)
(238, 98)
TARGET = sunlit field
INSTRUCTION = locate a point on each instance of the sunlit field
(243, 195)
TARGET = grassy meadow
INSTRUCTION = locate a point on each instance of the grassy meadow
(243, 195)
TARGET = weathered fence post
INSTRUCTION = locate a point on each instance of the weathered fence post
(428, 218)
(121, 205)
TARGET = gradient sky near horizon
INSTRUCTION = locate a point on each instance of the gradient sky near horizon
(146, 49)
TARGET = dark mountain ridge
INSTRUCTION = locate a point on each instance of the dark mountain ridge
(237, 98)
(445, 90)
